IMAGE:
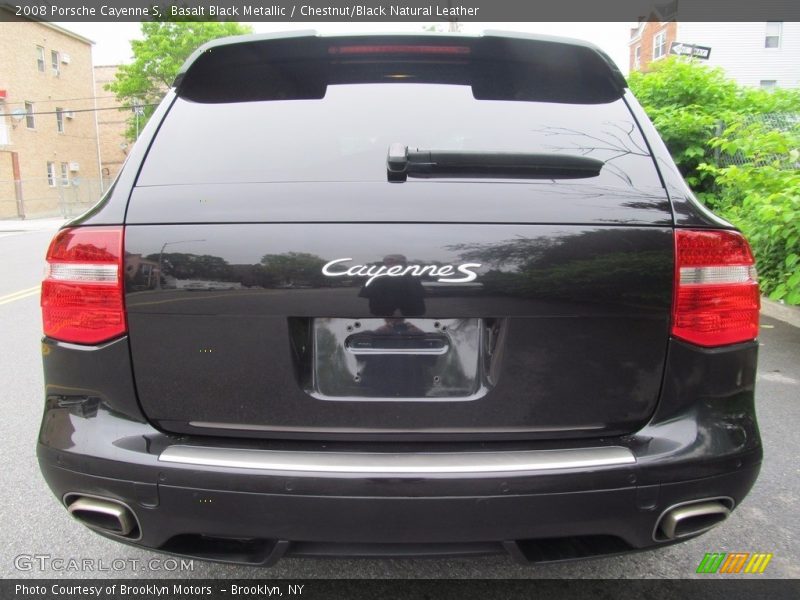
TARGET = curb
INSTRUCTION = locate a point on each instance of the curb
(782, 312)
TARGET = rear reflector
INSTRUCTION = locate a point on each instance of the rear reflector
(716, 288)
(82, 296)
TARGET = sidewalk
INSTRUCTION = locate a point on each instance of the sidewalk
(782, 312)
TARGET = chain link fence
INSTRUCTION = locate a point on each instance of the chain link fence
(783, 122)
(43, 197)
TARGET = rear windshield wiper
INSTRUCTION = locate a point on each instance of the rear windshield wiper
(403, 162)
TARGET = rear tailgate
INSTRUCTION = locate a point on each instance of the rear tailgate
(278, 285)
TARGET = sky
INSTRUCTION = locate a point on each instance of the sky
(112, 40)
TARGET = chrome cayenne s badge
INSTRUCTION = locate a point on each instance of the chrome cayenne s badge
(395, 266)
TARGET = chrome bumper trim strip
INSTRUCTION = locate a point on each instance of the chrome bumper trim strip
(389, 464)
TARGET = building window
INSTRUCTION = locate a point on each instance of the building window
(64, 173)
(54, 61)
(30, 117)
(51, 174)
(40, 58)
(773, 36)
(637, 57)
(60, 120)
(768, 84)
(659, 45)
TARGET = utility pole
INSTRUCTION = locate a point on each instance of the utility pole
(138, 111)
(18, 185)
(161, 254)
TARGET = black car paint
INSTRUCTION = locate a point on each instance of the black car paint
(702, 442)
(617, 340)
(699, 440)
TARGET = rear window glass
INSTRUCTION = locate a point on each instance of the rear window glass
(315, 109)
(345, 136)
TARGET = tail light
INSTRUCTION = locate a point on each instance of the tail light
(716, 288)
(82, 296)
(430, 49)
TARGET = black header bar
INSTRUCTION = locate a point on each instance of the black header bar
(319, 589)
(401, 10)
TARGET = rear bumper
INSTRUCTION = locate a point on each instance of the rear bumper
(252, 501)
(254, 513)
(532, 526)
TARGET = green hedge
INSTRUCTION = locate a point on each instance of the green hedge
(744, 169)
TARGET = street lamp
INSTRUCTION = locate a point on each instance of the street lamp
(160, 255)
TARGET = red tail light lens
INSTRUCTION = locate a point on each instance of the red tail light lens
(82, 296)
(716, 288)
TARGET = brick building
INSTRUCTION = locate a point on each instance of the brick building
(764, 54)
(49, 157)
(650, 41)
(111, 124)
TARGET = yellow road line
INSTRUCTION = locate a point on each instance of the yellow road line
(197, 296)
(20, 293)
(8, 298)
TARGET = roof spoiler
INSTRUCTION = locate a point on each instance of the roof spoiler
(226, 43)
(575, 70)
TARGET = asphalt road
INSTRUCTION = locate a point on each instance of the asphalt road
(32, 522)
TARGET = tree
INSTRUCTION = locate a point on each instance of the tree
(736, 159)
(156, 60)
(688, 102)
(760, 193)
(294, 267)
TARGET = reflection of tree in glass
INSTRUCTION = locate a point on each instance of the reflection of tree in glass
(584, 267)
(295, 268)
(451, 374)
(620, 141)
(194, 266)
(329, 379)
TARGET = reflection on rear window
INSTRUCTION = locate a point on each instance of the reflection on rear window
(345, 136)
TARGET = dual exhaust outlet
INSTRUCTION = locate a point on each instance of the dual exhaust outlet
(103, 514)
(679, 521)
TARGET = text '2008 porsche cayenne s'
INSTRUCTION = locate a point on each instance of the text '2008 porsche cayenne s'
(399, 295)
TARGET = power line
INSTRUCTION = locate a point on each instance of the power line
(64, 99)
(64, 112)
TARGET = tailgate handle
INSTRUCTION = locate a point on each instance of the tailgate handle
(366, 343)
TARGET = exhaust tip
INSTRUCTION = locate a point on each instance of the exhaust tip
(103, 514)
(692, 518)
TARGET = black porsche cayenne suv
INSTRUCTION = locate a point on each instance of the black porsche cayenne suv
(399, 295)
